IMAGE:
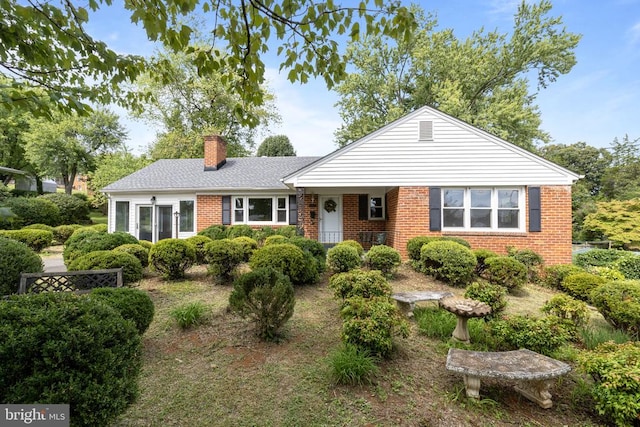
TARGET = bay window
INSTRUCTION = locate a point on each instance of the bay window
(483, 209)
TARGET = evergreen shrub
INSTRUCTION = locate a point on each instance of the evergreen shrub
(495, 296)
(315, 248)
(554, 274)
(73, 210)
(574, 312)
(506, 271)
(276, 239)
(481, 256)
(543, 335)
(214, 232)
(34, 210)
(16, 258)
(35, 239)
(62, 233)
(239, 230)
(172, 258)
(101, 260)
(580, 285)
(289, 259)
(199, 242)
(137, 250)
(531, 259)
(415, 244)
(619, 304)
(287, 231)
(354, 244)
(342, 258)
(365, 284)
(86, 240)
(247, 244)
(132, 304)
(383, 258)
(599, 257)
(223, 256)
(629, 266)
(448, 261)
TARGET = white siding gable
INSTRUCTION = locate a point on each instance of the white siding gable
(457, 155)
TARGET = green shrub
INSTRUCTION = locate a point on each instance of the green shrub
(247, 244)
(458, 240)
(315, 248)
(73, 210)
(540, 335)
(276, 239)
(287, 231)
(574, 312)
(132, 304)
(289, 259)
(593, 336)
(580, 285)
(62, 233)
(599, 257)
(34, 210)
(450, 262)
(383, 258)
(172, 257)
(199, 242)
(495, 296)
(137, 250)
(343, 258)
(223, 257)
(190, 314)
(16, 258)
(239, 230)
(506, 271)
(481, 256)
(619, 303)
(214, 232)
(531, 259)
(609, 274)
(146, 244)
(261, 235)
(352, 365)
(39, 227)
(354, 244)
(5, 193)
(37, 240)
(58, 347)
(265, 296)
(629, 266)
(100, 260)
(365, 284)
(371, 323)
(414, 246)
(615, 369)
(555, 274)
(86, 240)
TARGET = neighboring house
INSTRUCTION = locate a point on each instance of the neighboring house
(425, 174)
(24, 181)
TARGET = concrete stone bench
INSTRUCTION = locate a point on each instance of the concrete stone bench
(407, 300)
(534, 372)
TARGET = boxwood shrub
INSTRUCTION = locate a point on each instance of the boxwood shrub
(354, 244)
(599, 257)
(247, 244)
(38, 227)
(214, 232)
(580, 285)
(365, 284)
(132, 304)
(275, 239)
(199, 242)
(88, 240)
(543, 335)
(315, 248)
(223, 256)
(629, 266)
(481, 256)
(58, 347)
(137, 250)
(415, 244)
(73, 210)
(383, 258)
(34, 210)
(100, 260)
(619, 303)
(172, 258)
(574, 312)
(16, 258)
(448, 261)
(495, 296)
(287, 231)
(289, 259)
(62, 233)
(342, 258)
(239, 230)
(36, 239)
(555, 274)
(531, 259)
(506, 271)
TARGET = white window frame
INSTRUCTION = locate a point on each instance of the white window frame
(376, 196)
(274, 210)
(182, 214)
(494, 210)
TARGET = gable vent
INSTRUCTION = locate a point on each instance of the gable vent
(426, 130)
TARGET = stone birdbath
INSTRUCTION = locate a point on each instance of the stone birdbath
(464, 309)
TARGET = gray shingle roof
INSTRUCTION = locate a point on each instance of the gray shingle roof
(241, 173)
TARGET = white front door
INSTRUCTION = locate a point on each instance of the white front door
(330, 213)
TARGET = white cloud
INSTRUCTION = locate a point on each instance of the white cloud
(634, 33)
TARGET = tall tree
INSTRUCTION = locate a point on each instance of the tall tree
(74, 68)
(111, 167)
(483, 80)
(276, 145)
(67, 146)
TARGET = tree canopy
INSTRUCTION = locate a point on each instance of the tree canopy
(276, 145)
(112, 167)
(483, 80)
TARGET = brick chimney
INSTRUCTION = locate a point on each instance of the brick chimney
(215, 152)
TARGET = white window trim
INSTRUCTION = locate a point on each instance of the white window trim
(384, 213)
(494, 210)
(274, 209)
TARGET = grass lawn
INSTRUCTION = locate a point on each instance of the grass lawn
(220, 374)
(97, 217)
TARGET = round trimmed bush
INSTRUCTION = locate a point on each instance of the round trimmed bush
(172, 257)
(145, 243)
(39, 227)
(101, 260)
(62, 233)
(580, 285)
(16, 258)
(481, 256)
(609, 274)
(287, 231)
(34, 210)
(599, 257)
(199, 242)
(223, 257)
(414, 246)
(315, 248)
(247, 244)
(214, 232)
(619, 304)
(459, 240)
(354, 244)
(365, 284)
(506, 271)
(555, 274)
(132, 304)
(495, 296)
(87, 240)
(629, 266)
(289, 259)
(531, 259)
(239, 230)
(342, 258)
(540, 335)
(276, 239)
(73, 210)
(261, 235)
(59, 347)
(137, 250)
(383, 258)
(575, 312)
(36, 239)
(448, 261)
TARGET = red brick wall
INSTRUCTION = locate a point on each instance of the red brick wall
(215, 151)
(351, 224)
(209, 211)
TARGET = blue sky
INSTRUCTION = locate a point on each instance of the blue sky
(597, 101)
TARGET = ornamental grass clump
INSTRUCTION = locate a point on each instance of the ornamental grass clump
(190, 314)
(352, 365)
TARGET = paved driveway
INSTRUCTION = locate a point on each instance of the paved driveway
(53, 260)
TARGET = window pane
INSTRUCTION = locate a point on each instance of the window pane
(122, 216)
(282, 203)
(282, 216)
(453, 217)
(453, 198)
(376, 207)
(480, 218)
(508, 218)
(186, 215)
(239, 203)
(507, 198)
(260, 210)
(238, 216)
(480, 198)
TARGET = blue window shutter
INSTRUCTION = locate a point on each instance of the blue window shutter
(293, 210)
(435, 209)
(363, 207)
(535, 214)
(226, 210)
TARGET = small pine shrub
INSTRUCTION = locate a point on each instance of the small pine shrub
(619, 304)
(343, 258)
(73, 210)
(223, 256)
(450, 262)
(580, 285)
(100, 260)
(214, 232)
(60, 347)
(415, 244)
(137, 250)
(35, 239)
(34, 210)
(16, 258)
(495, 296)
(239, 230)
(615, 369)
(287, 231)
(354, 244)
(365, 284)
(190, 314)
(62, 233)
(265, 296)
(574, 312)
(506, 271)
(543, 336)
(352, 365)
(172, 258)
(555, 274)
(629, 266)
(199, 242)
(248, 245)
(132, 304)
(383, 258)
(261, 235)
(599, 257)
(481, 256)
(532, 260)
(289, 259)
(85, 240)
(276, 239)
